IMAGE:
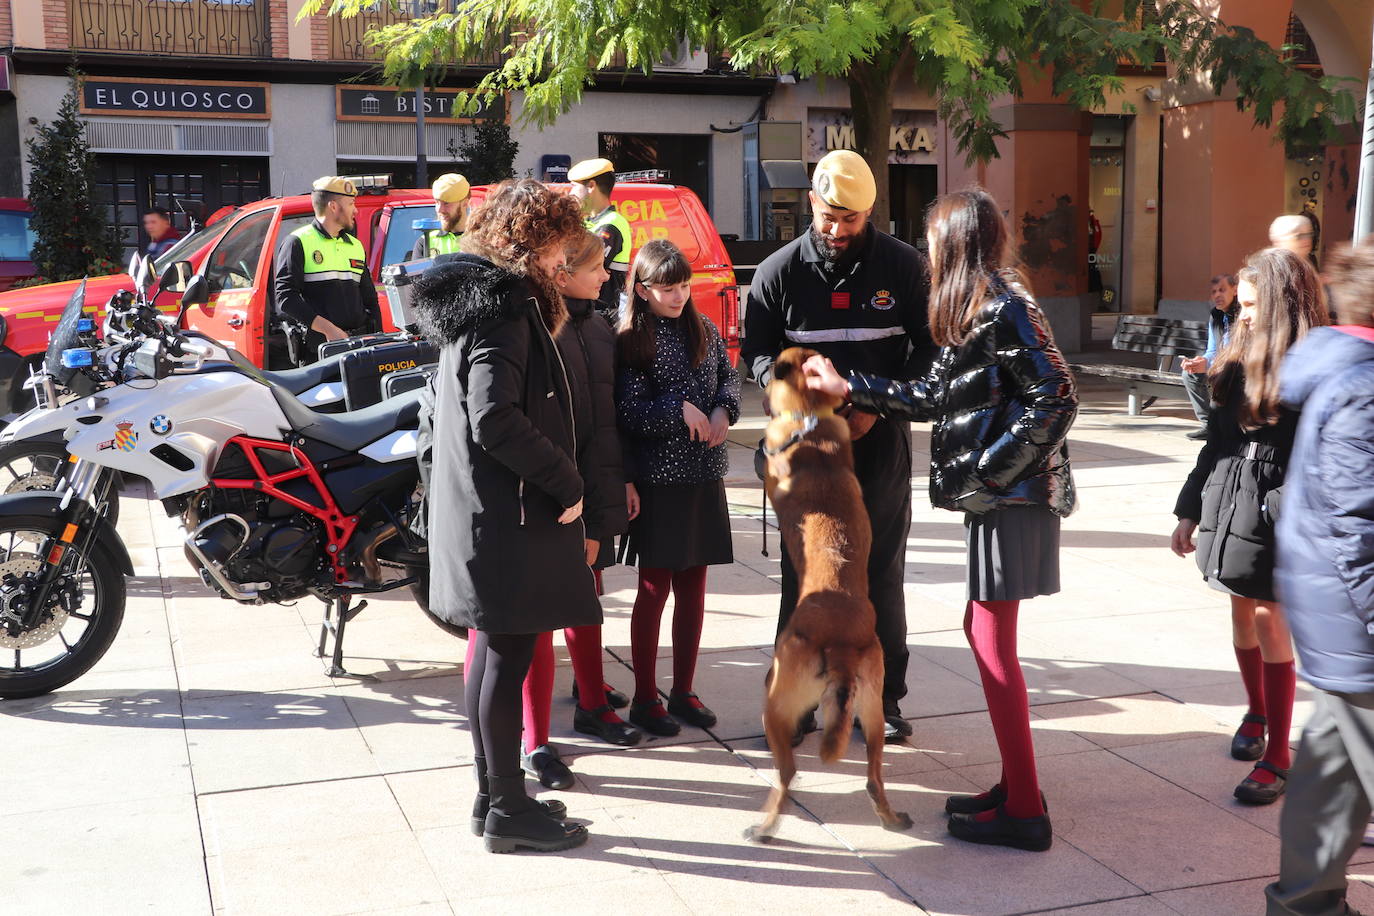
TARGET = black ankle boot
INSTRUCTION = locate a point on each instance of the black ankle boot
(482, 803)
(515, 821)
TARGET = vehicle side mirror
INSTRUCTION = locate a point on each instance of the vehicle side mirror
(197, 292)
(175, 276)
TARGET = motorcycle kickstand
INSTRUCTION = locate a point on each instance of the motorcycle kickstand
(336, 623)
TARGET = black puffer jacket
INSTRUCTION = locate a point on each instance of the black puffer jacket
(587, 344)
(1002, 402)
(504, 440)
(1231, 493)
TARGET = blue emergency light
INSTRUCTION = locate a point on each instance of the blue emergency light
(85, 325)
(426, 224)
(76, 358)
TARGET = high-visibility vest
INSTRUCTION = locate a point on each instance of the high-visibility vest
(338, 258)
(439, 242)
(620, 260)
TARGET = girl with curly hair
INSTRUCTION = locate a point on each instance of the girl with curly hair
(507, 541)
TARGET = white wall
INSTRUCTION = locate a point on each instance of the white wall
(303, 145)
(35, 97)
(575, 134)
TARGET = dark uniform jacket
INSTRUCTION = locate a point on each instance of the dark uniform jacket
(1326, 523)
(1231, 493)
(1002, 401)
(505, 441)
(350, 304)
(868, 315)
(587, 345)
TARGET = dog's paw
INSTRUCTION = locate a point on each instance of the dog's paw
(903, 822)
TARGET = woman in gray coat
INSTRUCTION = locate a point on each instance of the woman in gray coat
(505, 532)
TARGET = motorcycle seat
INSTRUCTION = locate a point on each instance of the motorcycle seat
(353, 430)
(304, 378)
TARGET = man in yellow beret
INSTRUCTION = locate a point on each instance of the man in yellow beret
(592, 183)
(451, 192)
(321, 279)
(858, 296)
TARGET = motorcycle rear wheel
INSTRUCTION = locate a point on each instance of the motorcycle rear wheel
(68, 645)
(38, 464)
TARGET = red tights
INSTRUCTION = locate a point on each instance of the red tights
(991, 630)
(584, 645)
(689, 610)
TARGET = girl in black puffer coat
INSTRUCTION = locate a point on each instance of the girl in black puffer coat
(1003, 400)
(1230, 497)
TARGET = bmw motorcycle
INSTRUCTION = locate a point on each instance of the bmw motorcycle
(277, 501)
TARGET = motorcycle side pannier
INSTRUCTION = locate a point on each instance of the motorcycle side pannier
(363, 371)
(394, 383)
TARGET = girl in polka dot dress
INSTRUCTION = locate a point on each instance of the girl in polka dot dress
(676, 397)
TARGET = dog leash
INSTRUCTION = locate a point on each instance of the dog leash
(809, 421)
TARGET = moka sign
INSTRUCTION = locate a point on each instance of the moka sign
(382, 103)
(910, 140)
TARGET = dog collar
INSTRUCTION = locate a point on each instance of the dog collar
(809, 421)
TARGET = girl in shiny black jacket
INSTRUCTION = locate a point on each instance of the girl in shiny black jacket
(1229, 498)
(1003, 400)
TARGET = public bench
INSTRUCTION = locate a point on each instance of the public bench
(1165, 338)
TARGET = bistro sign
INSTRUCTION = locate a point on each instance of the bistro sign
(175, 98)
(380, 103)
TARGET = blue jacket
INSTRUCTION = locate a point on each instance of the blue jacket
(1325, 573)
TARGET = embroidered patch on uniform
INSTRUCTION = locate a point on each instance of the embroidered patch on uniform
(319, 257)
(882, 300)
(355, 264)
(839, 300)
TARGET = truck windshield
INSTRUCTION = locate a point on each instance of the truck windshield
(401, 235)
(188, 245)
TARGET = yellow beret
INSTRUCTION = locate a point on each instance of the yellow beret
(588, 169)
(336, 185)
(843, 179)
(451, 188)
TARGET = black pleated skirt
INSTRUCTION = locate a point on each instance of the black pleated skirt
(1013, 553)
(680, 526)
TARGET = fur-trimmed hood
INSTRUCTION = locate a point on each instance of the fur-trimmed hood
(462, 291)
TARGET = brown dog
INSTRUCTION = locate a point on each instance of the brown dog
(828, 655)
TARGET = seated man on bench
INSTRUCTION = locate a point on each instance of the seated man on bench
(1223, 297)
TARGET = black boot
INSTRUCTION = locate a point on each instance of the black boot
(482, 803)
(515, 821)
(1032, 834)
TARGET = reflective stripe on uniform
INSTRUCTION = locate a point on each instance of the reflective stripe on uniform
(321, 275)
(620, 260)
(843, 335)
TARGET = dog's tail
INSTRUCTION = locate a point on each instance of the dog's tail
(837, 702)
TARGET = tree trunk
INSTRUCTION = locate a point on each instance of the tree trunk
(870, 104)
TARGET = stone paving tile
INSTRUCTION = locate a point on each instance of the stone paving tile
(118, 858)
(653, 894)
(1123, 721)
(1128, 906)
(248, 741)
(1243, 898)
(685, 772)
(413, 723)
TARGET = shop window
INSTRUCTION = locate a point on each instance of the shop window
(1106, 186)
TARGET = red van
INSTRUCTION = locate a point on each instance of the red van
(234, 252)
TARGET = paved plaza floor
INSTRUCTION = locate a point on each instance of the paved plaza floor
(208, 765)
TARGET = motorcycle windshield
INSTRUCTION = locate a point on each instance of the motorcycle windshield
(64, 337)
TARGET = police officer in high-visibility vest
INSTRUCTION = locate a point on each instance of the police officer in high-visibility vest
(451, 193)
(858, 296)
(592, 182)
(321, 279)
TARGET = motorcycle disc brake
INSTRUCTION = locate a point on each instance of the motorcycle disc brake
(19, 564)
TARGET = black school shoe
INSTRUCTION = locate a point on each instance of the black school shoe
(1244, 748)
(895, 728)
(1032, 834)
(654, 719)
(696, 714)
(545, 765)
(977, 804)
(617, 699)
(591, 722)
(552, 808)
(1250, 792)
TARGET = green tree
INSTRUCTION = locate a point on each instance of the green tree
(487, 152)
(972, 55)
(73, 239)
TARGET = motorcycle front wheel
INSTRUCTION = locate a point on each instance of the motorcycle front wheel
(83, 616)
(38, 464)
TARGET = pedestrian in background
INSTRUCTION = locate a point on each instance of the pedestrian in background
(1296, 232)
(1325, 576)
(1003, 400)
(676, 396)
(509, 555)
(1223, 298)
(157, 223)
(1229, 498)
(587, 346)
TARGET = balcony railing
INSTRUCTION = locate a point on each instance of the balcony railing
(217, 28)
(348, 36)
